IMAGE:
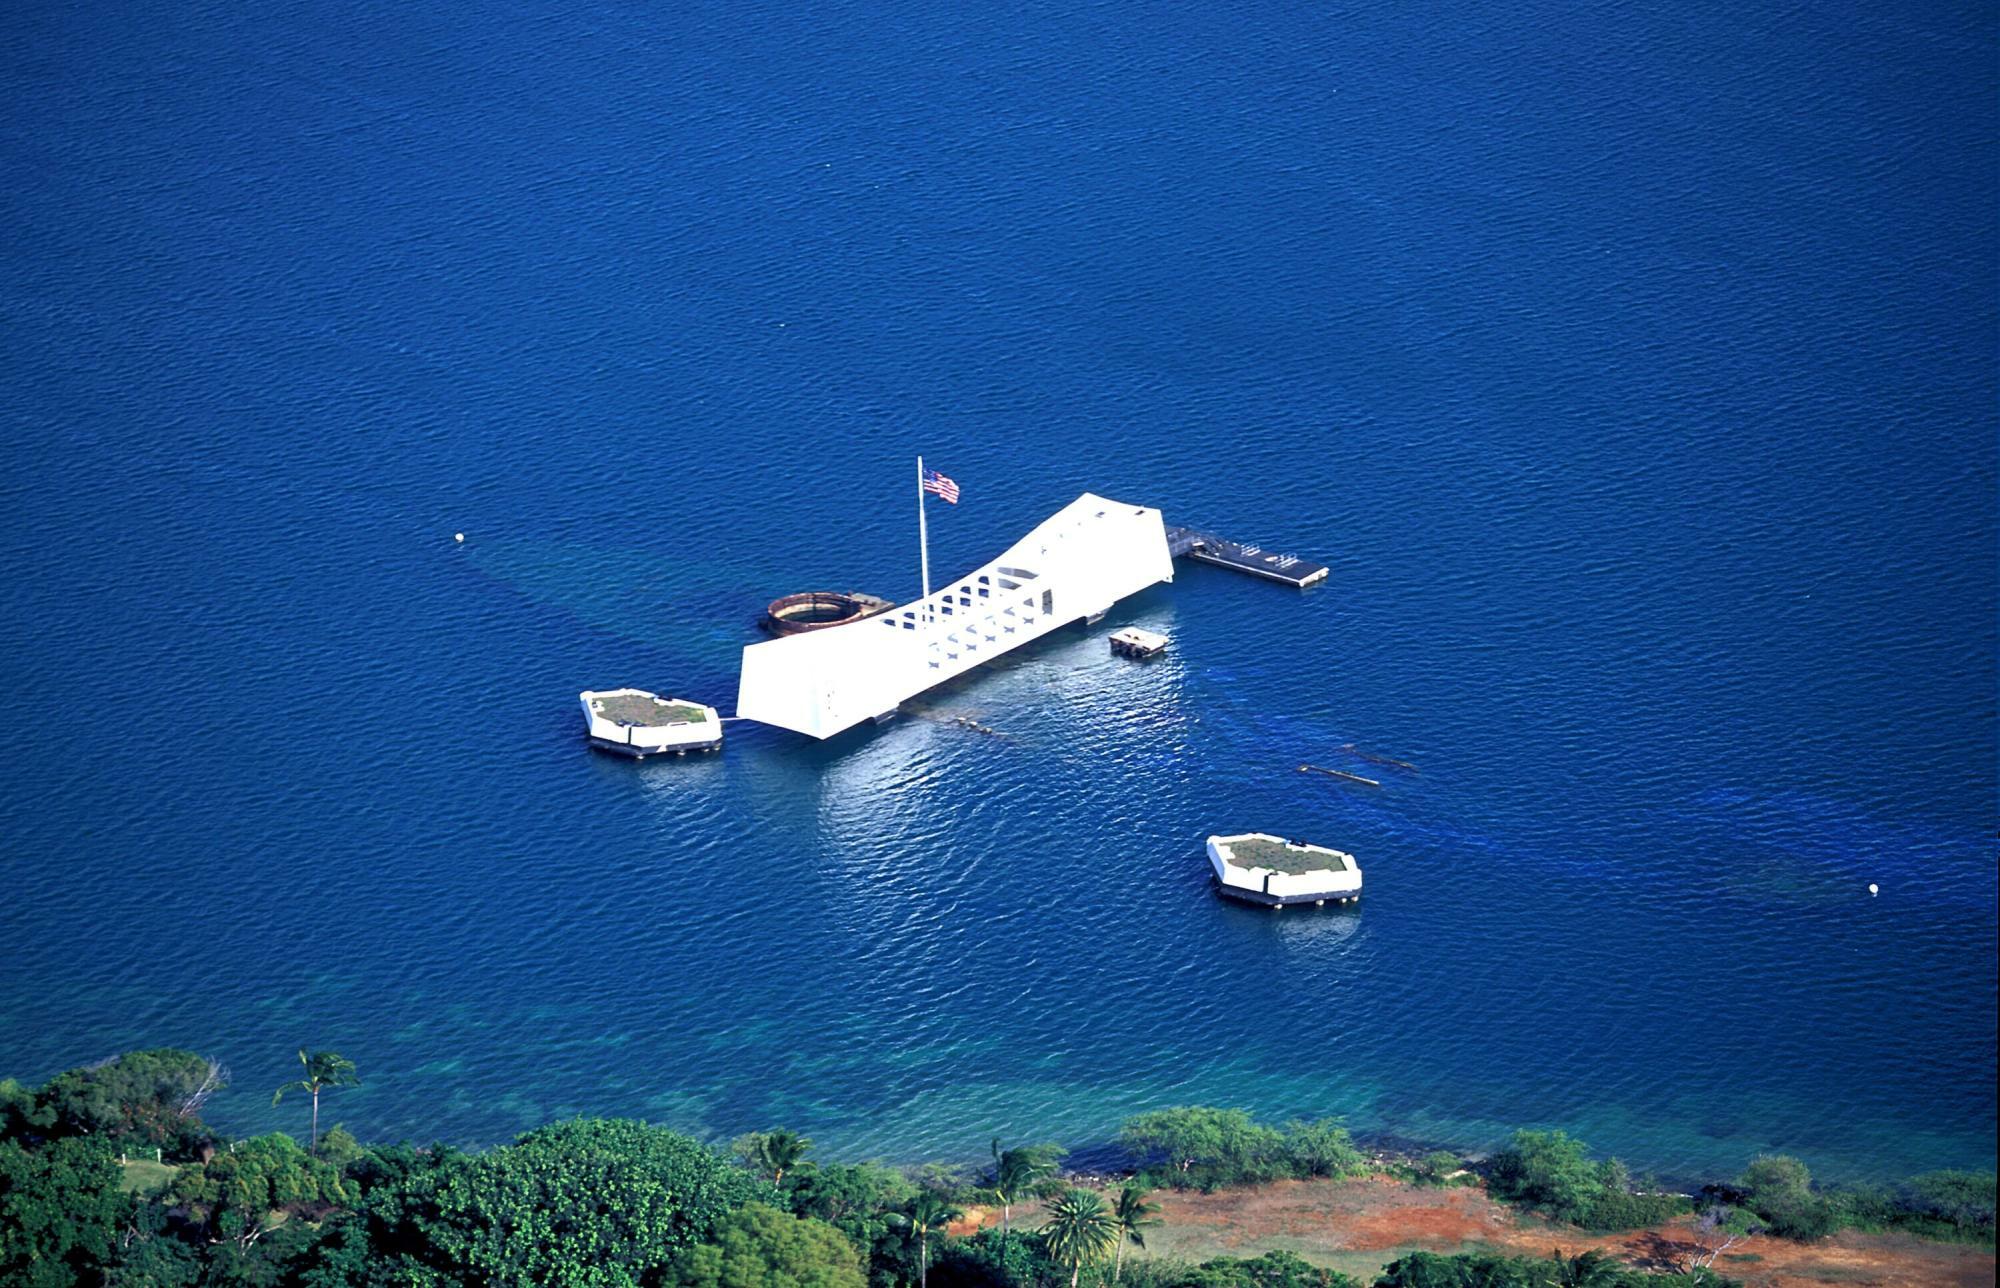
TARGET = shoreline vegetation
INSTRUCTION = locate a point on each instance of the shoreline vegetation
(109, 1175)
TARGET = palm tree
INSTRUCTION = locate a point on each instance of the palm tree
(324, 1069)
(779, 1151)
(1015, 1173)
(1133, 1214)
(1079, 1229)
(1591, 1269)
(930, 1212)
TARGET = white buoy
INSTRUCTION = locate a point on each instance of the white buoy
(458, 537)
(1873, 888)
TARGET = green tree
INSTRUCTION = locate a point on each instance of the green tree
(1016, 1173)
(757, 1246)
(151, 1097)
(1547, 1170)
(1203, 1145)
(1432, 1270)
(1321, 1147)
(21, 1112)
(991, 1260)
(1133, 1215)
(323, 1070)
(859, 1199)
(244, 1193)
(928, 1216)
(60, 1208)
(339, 1147)
(587, 1201)
(155, 1252)
(390, 1239)
(1079, 1229)
(839, 1192)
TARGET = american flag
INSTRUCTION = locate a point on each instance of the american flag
(941, 487)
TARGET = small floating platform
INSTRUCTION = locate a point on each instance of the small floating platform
(1133, 642)
(1257, 867)
(633, 722)
(1206, 547)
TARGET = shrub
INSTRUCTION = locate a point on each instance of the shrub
(1778, 1188)
(1864, 1207)
(1550, 1171)
(1484, 1270)
(1957, 1202)
(1278, 1270)
(1434, 1270)
(1272, 1270)
(1622, 1210)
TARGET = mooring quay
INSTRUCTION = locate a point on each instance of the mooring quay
(1206, 547)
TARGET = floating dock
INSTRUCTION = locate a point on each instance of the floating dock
(1206, 547)
(635, 723)
(1257, 867)
(1135, 643)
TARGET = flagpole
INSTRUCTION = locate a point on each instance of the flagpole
(923, 542)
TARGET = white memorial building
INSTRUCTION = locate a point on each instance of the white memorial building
(1072, 566)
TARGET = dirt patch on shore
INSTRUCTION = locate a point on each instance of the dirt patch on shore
(1349, 1216)
(1360, 1226)
(1882, 1260)
(976, 1218)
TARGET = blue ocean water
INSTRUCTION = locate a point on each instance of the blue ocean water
(1633, 367)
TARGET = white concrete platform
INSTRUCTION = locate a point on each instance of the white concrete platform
(1260, 868)
(1072, 566)
(633, 722)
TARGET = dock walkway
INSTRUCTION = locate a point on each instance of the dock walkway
(1206, 547)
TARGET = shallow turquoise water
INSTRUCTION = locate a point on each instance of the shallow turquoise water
(1633, 371)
